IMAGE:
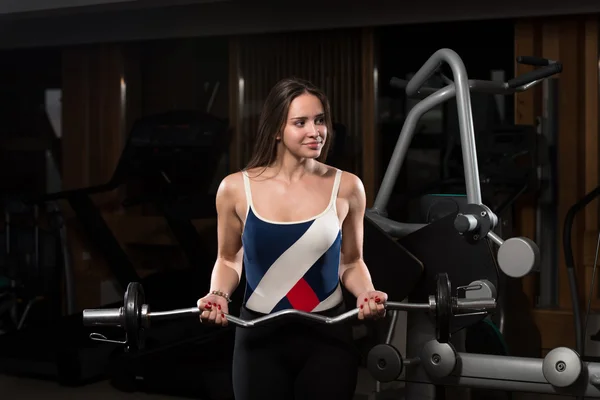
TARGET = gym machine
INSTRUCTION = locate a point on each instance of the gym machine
(33, 257)
(580, 328)
(562, 371)
(432, 358)
(158, 167)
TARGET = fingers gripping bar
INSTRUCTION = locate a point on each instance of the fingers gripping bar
(135, 316)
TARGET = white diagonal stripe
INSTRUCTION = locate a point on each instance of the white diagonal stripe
(291, 266)
(333, 300)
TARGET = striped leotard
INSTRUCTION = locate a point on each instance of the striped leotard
(292, 264)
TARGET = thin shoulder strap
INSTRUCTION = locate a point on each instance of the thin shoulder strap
(336, 186)
(247, 190)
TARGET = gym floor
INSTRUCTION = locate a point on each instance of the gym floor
(12, 388)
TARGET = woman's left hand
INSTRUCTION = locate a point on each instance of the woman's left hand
(371, 305)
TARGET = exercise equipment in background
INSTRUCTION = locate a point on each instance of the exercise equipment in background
(168, 163)
(579, 325)
(562, 370)
(31, 266)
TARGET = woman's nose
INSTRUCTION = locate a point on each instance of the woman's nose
(313, 130)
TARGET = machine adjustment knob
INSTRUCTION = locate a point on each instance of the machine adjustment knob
(562, 367)
(385, 363)
(438, 359)
(518, 256)
(464, 223)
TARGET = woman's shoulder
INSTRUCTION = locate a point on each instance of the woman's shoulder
(349, 182)
(234, 183)
(231, 185)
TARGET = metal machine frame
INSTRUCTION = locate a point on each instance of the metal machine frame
(428, 361)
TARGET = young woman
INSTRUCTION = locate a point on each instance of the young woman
(282, 221)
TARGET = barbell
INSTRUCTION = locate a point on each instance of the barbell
(135, 316)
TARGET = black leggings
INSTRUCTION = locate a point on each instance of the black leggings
(293, 360)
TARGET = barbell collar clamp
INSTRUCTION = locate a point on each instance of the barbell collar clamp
(103, 317)
(101, 338)
(144, 316)
(471, 305)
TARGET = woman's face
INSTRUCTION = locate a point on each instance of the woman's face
(305, 131)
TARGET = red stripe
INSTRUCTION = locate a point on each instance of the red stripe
(302, 297)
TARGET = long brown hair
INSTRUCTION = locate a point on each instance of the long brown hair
(274, 116)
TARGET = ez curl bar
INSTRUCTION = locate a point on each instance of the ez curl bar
(561, 372)
(135, 315)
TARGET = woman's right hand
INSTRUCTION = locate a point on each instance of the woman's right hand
(213, 309)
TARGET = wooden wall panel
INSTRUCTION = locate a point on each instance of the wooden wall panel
(592, 151)
(183, 75)
(527, 109)
(331, 60)
(570, 143)
(93, 115)
(236, 105)
(106, 88)
(574, 41)
(370, 133)
(75, 114)
(186, 74)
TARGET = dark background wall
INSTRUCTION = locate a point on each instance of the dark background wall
(153, 20)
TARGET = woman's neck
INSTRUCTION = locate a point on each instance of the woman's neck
(291, 169)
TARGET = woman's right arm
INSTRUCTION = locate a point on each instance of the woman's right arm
(227, 270)
(228, 266)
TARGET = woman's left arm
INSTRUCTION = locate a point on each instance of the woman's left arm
(354, 273)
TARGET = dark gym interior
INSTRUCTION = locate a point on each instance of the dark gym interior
(121, 118)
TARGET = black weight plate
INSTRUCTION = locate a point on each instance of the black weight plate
(443, 309)
(141, 300)
(132, 303)
(384, 363)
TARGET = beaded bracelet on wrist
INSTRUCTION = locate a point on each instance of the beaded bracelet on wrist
(222, 294)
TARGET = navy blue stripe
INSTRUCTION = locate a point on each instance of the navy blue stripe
(323, 276)
(248, 292)
(284, 304)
